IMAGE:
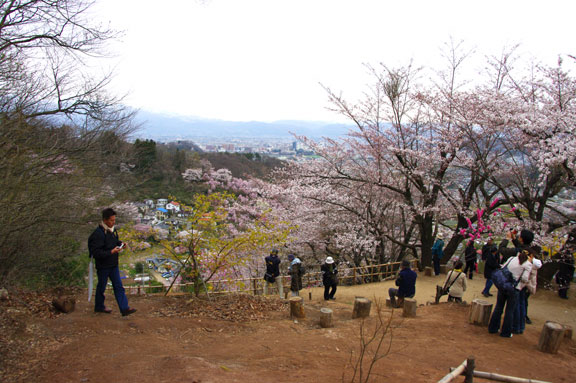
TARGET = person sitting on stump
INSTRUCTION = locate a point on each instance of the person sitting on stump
(329, 278)
(406, 282)
(456, 283)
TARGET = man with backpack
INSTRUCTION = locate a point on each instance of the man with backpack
(272, 274)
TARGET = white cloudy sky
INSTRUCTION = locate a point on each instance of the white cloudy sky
(264, 59)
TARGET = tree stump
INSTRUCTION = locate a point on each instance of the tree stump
(428, 271)
(326, 318)
(297, 307)
(64, 304)
(410, 306)
(551, 337)
(388, 302)
(361, 308)
(480, 312)
(443, 269)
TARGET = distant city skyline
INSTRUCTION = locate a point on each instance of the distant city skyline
(264, 60)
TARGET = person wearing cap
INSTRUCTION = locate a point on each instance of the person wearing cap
(406, 282)
(272, 274)
(329, 278)
(295, 270)
(438, 253)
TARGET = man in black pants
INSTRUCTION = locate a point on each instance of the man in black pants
(104, 247)
(329, 278)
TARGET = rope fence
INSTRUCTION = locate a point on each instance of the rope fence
(346, 276)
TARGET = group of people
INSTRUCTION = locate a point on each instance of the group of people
(296, 270)
(522, 261)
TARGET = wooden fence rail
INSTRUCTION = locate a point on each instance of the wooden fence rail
(346, 276)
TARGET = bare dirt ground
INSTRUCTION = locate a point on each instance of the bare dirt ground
(246, 339)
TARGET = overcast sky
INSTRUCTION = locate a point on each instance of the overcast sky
(265, 59)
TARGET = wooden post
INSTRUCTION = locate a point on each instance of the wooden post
(567, 331)
(428, 271)
(438, 294)
(326, 318)
(551, 337)
(297, 307)
(480, 312)
(469, 372)
(443, 269)
(409, 310)
(361, 308)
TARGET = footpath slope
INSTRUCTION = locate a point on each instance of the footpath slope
(243, 339)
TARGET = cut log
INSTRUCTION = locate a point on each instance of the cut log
(326, 318)
(410, 306)
(443, 269)
(551, 337)
(388, 302)
(64, 304)
(428, 271)
(361, 308)
(480, 312)
(297, 307)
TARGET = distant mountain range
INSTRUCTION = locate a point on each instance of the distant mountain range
(163, 127)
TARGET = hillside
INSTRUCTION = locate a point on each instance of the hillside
(247, 339)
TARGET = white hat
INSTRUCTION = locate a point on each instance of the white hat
(439, 235)
(329, 260)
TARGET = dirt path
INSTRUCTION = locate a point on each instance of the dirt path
(162, 342)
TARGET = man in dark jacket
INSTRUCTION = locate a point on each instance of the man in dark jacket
(522, 242)
(329, 278)
(272, 274)
(566, 262)
(470, 256)
(104, 247)
(492, 264)
(406, 282)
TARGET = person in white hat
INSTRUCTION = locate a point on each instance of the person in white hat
(438, 252)
(329, 278)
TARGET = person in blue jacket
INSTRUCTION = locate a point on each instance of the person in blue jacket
(406, 282)
(437, 253)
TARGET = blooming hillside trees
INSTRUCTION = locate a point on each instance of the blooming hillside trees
(218, 238)
(467, 159)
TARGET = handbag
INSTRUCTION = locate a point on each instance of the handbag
(269, 278)
(443, 290)
(504, 280)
